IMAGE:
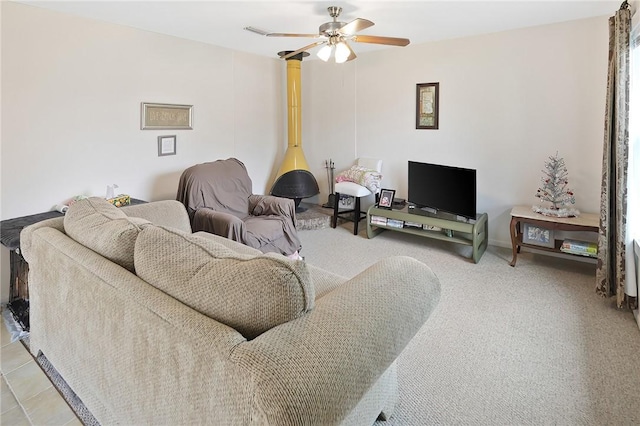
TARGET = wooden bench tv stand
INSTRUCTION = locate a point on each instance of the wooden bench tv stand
(466, 233)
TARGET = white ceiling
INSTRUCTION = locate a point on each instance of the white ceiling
(221, 22)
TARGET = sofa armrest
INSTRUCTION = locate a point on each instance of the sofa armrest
(107, 332)
(169, 213)
(219, 223)
(269, 205)
(324, 281)
(334, 354)
(26, 235)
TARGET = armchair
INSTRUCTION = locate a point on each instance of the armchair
(218, 197)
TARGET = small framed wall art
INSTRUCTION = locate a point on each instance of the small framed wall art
(427, 104)
(538, 236)
(166, 145)
(386, 198)
(166, 116)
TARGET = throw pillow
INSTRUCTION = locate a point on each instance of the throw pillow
(99, 225)
(368, 178)
(252, 294)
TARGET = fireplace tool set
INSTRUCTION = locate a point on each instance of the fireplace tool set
(332, 197)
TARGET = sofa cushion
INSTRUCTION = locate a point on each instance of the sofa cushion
(99, 225)
(249, 293)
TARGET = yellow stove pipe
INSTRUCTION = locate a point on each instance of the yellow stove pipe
(294, 156)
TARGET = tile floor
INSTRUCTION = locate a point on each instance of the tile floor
(28, 397)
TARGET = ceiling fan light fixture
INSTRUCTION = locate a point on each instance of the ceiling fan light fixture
(325, 52)
(342, 52)
(334, 35)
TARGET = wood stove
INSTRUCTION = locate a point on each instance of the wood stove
(294, 179)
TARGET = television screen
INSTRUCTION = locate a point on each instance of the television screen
(443, 188)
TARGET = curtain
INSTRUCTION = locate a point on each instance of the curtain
(633, 207)
(611, 267)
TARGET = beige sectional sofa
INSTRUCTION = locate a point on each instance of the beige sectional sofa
(150, 324)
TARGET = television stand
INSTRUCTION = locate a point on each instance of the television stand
(474, 233)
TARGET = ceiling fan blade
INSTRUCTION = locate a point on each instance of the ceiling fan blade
(354, 26)
(352, 54)
(393, 41)
(270, 34)
(303, 49)
(293, 35)
(257, 30)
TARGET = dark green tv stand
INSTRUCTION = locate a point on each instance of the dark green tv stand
(469, 234)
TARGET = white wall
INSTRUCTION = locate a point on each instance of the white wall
(71, 109)
(72, 89)
(508, 101)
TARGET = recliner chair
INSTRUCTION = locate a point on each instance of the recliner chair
(219, 199)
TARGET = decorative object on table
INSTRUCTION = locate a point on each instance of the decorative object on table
(62, 208)
(165, 116)
(75, 200)
(399, 203)
(538, 236)
(120, 200)
(332, 197)
(427, 102)
(111, 191)
(117, 200)
(166, 145)
(555, 191)
(386, 198)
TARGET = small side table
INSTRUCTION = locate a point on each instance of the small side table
(589, 222)
(19, 268)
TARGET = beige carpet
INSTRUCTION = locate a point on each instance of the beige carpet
(528, 345)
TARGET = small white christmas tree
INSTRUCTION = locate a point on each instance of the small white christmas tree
(554, 189)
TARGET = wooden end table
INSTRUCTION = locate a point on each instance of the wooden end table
(589, 222)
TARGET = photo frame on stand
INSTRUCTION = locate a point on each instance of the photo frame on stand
(386, 198)
(538, 236)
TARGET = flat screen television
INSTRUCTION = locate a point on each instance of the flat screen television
(443, 188)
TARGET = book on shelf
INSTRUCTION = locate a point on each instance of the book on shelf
(378, 220)
(583, 248)
(393, 223)
(412, 224)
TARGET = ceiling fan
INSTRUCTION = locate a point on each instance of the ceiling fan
(335, 35)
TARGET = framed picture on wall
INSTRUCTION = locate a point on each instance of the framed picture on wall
(427, 104)
(165, 116)
(166, 145)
